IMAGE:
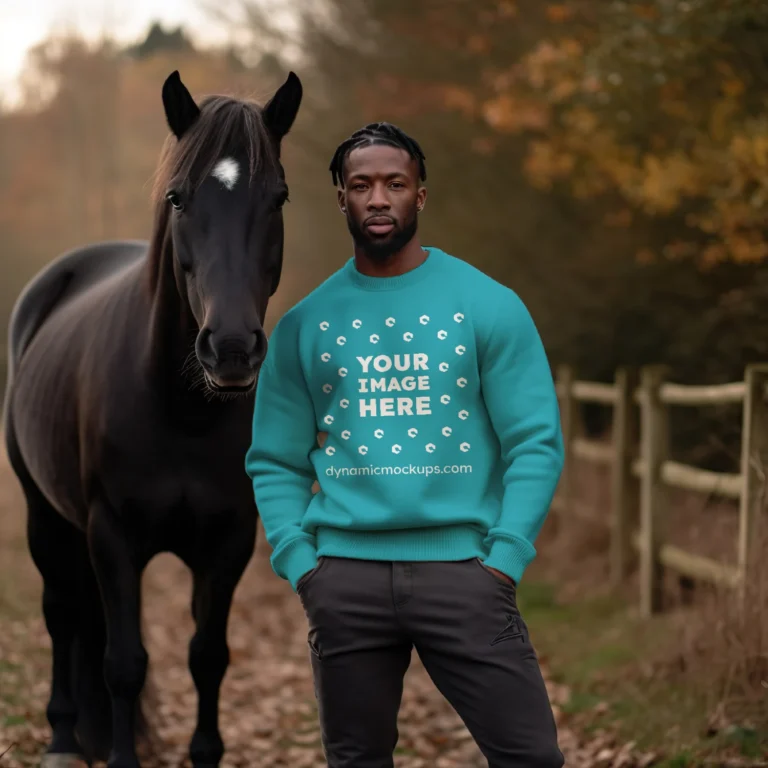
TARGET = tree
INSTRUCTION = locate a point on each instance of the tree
(160, 41)
(662, 103)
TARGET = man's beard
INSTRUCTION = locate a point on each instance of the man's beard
(381, 249)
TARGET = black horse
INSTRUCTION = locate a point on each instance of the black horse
(128, 413)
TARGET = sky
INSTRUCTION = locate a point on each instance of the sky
(23, 23)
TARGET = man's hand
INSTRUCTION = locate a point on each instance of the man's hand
(501, 575)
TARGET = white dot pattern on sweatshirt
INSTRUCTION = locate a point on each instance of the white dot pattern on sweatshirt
(407, 336)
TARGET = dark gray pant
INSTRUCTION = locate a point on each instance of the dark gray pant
(365, 617)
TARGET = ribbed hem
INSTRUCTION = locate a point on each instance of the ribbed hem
(418, 544)
(295, 559)
(511, 556)
(395, 282)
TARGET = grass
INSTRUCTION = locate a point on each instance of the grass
(609, 659)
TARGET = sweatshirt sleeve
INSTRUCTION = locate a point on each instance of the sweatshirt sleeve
(284, 432)
(520, 396)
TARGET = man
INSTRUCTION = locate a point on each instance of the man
(442, 452)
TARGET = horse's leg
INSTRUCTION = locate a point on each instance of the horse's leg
(58, 550)
(118, 571)
(215, 580)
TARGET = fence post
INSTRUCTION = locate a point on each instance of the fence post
(654, 447)
(568, 419)
(754, 464)
(624, 488)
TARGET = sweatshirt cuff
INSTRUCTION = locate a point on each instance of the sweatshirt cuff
(295, 559)
(510, 556)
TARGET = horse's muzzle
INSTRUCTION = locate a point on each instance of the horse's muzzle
(231, 364)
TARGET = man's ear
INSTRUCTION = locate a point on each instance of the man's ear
(342, 200)
(421, 199)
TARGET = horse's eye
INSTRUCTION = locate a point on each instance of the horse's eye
(175, 200)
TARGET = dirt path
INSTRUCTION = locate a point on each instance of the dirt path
(268, 715)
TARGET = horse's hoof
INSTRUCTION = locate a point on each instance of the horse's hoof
(63, 760)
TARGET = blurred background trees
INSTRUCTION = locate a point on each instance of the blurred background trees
(606, 160)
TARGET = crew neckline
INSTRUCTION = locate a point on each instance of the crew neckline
(393, 282)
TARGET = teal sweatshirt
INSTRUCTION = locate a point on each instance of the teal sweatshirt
(443, 429)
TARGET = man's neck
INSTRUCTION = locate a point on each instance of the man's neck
(406, 259)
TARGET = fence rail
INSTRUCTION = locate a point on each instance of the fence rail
(642, 472)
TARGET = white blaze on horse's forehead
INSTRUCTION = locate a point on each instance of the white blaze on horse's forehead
(227, 172)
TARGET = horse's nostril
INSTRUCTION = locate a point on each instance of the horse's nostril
(204, 348)
(259, 346)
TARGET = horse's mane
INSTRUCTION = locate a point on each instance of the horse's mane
(225, 125)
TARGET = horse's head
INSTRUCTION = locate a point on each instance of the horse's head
(224, 188)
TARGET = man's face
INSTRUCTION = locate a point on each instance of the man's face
(381, 199)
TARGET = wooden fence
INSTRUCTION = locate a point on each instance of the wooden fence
(641, 470)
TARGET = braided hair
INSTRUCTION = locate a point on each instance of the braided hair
(376, 133)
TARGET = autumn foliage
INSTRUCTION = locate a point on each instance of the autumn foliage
(662, 104)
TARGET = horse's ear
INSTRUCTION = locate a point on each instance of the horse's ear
(281, 110)
(180, 108)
